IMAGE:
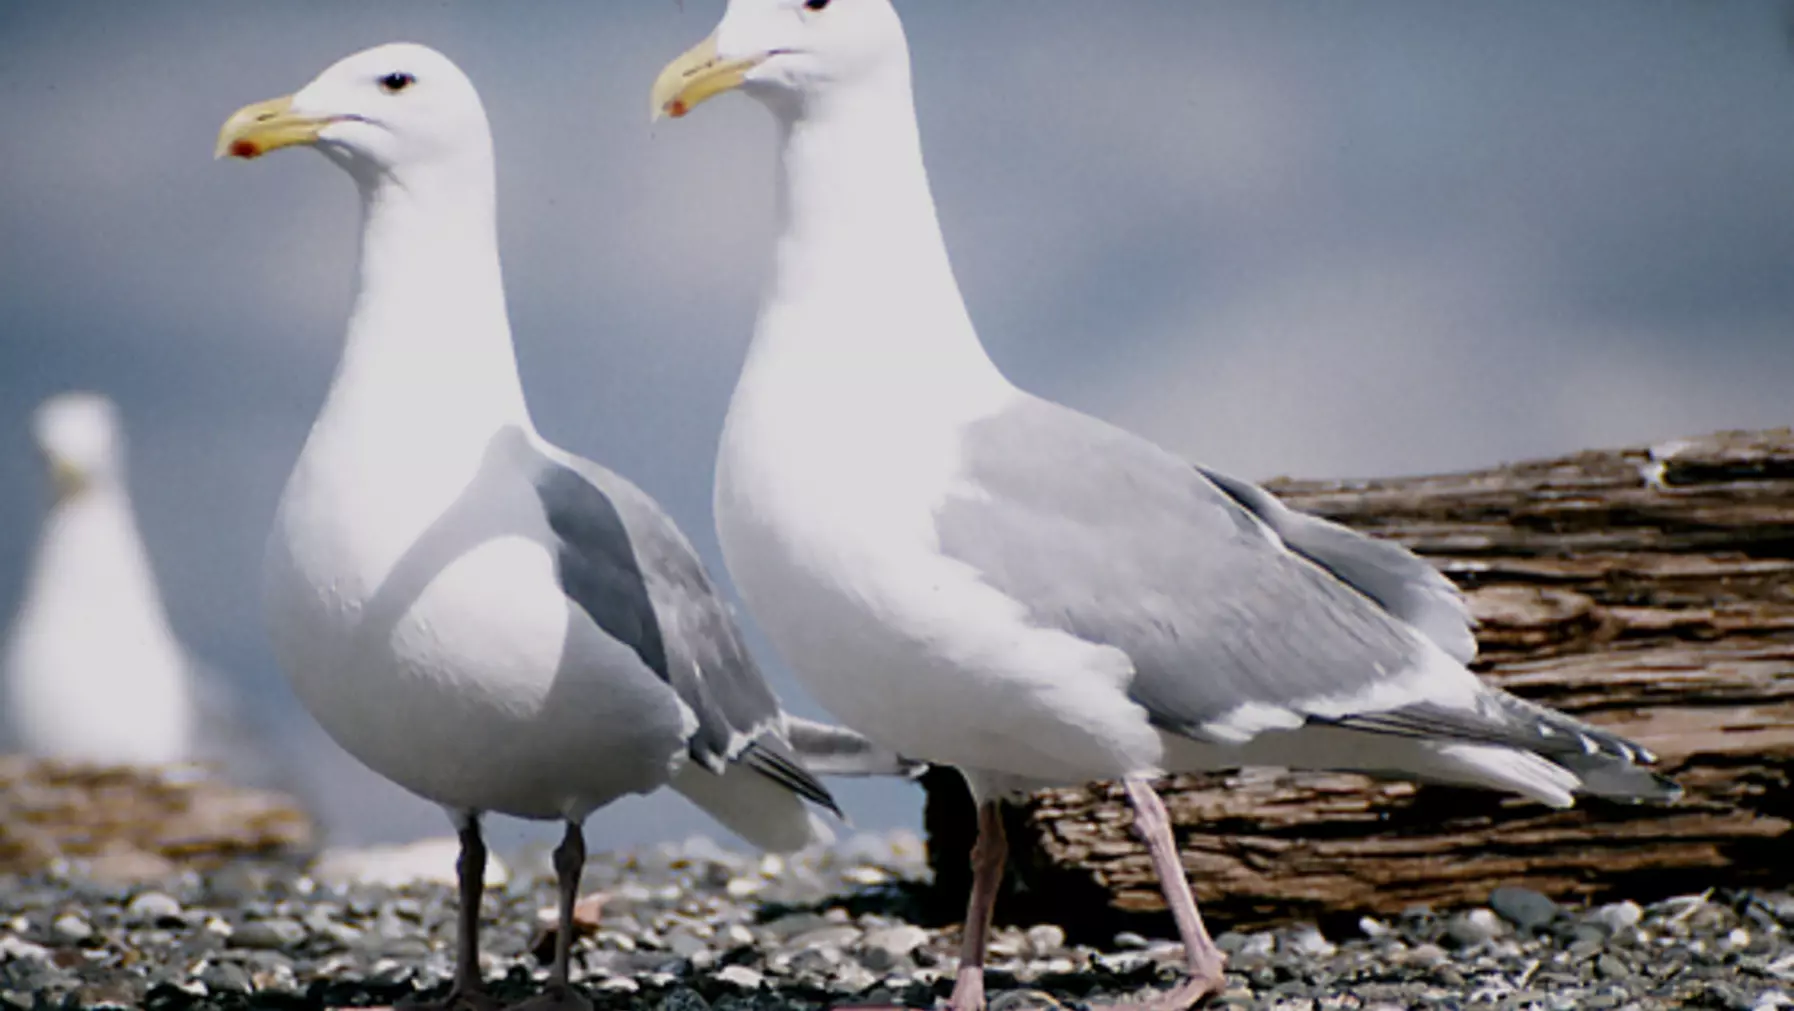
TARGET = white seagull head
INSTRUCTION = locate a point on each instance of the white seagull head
(787, 53)
(78, 435)
(381, 112)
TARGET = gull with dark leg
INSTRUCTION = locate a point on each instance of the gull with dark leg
(486, 619)
(974, 576)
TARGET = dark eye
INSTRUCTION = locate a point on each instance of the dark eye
(396, 82)
(815, 5)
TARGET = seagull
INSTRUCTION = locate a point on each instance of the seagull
(93, 670)
(488, 620)
(977, 577)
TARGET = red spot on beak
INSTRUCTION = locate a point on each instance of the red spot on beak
(677, 108)
(244, 149)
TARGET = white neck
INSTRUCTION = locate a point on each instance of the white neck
(863, 292)
(429, 347)
(91, 569)
(94, 670)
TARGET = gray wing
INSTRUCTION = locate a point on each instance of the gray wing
(625, 563)
(1396, 578)
(1100, 533)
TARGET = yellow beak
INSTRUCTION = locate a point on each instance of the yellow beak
(693, 78)
(254, 130)
(66, 479)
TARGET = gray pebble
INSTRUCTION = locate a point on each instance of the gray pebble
(1611, 967)
(684, 943)
(225, 978)
(673, 931)
(1523, 907)
(793, 924)
(268, 934)
(1426, 956)
(1585, 947)
(831, 936)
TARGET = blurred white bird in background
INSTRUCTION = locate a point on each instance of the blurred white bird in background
(93, 672)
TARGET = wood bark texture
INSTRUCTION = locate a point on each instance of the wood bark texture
(1646, 590)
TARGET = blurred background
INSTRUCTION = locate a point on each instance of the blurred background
(1282, 237)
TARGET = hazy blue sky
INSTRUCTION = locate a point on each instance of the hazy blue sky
(1281, 237)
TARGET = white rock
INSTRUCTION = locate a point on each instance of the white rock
(741, 977)
(1045, 938)
(1617, 916)
(745, 888)
(1308, 940)
(897, 941)
(616, 984)
(12, 948)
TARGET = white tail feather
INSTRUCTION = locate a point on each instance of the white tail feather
(760, 811)
(1508, 769)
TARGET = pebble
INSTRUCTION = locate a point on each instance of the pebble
(71, 928)
(156, 908)
(1426, 956)
(1617, 916)
(1307, 940)
(1523, 907)
(268, 934)
(1474, 927)
(225, 977)
(886, 949)
(829, 937)
(740, 977)
(1046, 938)
(677, 933)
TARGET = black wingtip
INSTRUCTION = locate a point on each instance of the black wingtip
(788, 773)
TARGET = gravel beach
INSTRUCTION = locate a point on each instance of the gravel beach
(693, 926)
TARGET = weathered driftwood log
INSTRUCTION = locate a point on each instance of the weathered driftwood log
(1646, 590)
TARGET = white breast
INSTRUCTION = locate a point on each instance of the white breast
(824, 501)
(93, 671)
(426, 630)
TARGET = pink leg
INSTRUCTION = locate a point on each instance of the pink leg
(1205, 961)
(989, 856)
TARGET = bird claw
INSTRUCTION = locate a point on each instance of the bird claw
(968, 990)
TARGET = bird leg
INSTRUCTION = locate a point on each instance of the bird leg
(1206, 963)
(989, 855)
(467, 993)
(569, 864)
